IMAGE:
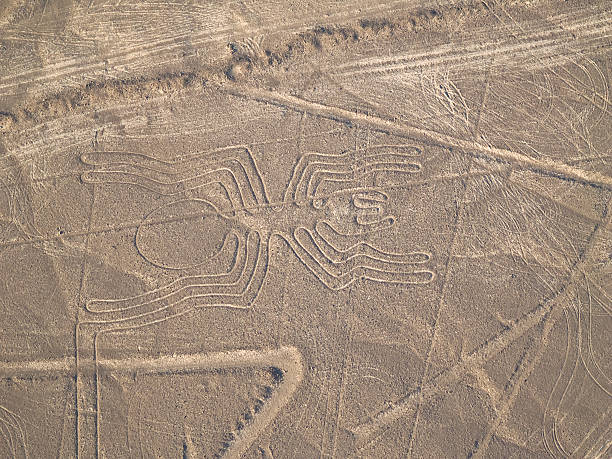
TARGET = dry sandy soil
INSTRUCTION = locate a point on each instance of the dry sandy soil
(298, 228)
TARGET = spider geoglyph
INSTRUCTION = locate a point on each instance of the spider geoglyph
(326, 231)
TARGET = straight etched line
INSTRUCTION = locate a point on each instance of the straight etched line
(138, 223)
(541, 165)
(65, 366)
(441, 300)
(78, 306)
(490, 349)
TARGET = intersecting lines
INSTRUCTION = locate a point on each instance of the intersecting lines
(579, 366)
(572, 118)
(505, 215)
(13, 432)
(284, 363)
(314, 169)
(17, 189)
(541, 165)
(586, 319)
(338, 268)
(233, 168)
(442, 105)
(238, 289)
(504, 207)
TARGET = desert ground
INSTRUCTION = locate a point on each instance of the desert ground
(301, 229)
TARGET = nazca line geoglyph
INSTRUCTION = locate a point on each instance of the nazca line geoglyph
(286, 359)
(249, 221)
(325, 231)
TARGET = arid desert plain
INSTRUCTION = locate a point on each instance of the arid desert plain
(305, 229)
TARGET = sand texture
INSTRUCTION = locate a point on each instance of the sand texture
(305, 229)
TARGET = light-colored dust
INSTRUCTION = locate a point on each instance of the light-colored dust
(305, 229)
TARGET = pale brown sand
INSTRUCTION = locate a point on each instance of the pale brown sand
(305, 229)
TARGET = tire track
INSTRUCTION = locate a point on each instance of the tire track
(594, 32)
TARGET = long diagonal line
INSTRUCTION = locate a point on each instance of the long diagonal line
(225, 213)
(229, 213)
(540, 165)
(449, 376)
